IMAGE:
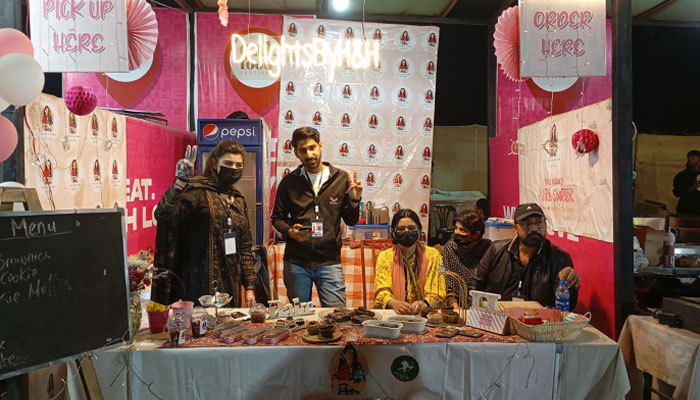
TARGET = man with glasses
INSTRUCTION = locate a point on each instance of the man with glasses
(528, 266)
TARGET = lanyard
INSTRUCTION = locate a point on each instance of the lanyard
(227, 208)
(313, 189)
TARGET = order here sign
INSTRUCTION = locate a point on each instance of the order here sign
(80, 35)
(562, 38)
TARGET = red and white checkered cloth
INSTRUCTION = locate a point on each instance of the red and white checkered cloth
(350, 258)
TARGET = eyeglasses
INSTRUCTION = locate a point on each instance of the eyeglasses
(402, 229)
(540, 223)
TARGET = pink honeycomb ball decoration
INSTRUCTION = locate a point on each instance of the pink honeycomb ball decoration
(80, 101)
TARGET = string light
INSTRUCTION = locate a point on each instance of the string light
(356, 53)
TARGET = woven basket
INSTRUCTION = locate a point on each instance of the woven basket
(552, 332)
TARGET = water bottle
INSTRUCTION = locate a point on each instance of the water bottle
(561, 297)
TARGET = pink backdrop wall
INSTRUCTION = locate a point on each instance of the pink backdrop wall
(163, 88)
(522, 104)
(151, 154)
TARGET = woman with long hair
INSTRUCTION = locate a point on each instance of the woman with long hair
(203, 234)
(407, 277)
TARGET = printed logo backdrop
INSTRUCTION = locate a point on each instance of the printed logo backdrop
(158, 85)
(81, 159)
(379, 120)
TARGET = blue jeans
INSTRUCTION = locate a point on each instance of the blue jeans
(329, 280)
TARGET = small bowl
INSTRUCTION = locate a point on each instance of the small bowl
(382, 329)
(207, 300)
(410, 324)
(326, 330)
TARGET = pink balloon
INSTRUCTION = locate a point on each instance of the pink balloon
(14, 41)
(8, 138)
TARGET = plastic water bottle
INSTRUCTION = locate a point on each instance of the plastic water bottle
(561, 297)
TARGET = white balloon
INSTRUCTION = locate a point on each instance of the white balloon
(21, 79)
(3, 104)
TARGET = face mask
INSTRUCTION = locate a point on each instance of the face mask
(229, 176)
(406, 239)
(462, 240)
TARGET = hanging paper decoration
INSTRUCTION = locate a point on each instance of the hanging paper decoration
(584, 141)
(80, 101)
(506, 40)
(223, 11)
(142, 29)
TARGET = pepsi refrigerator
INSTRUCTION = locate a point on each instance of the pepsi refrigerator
(249, 133)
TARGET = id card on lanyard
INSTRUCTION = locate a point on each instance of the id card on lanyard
(316, 223)
(230, 237)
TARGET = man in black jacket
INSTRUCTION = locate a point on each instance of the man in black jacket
(529, 266)
(685, 186)
(310, 202)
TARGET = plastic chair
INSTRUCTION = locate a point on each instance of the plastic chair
(445, 214)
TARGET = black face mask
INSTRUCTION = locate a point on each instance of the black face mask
(406, 239)
(462, 240)
(229, 176)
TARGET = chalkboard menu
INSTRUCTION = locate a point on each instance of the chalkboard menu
(63, 286)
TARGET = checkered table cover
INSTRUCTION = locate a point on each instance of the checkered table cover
(351, 259)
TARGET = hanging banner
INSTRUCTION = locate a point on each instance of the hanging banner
(79, 36)
(574, 191)
(562, 38)
(375, 115)
(73, 161)
(159, 85)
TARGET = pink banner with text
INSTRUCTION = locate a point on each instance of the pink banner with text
(159, 85)
(149, 176)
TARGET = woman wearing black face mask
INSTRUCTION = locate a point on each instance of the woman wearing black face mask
(203, 233)
(407, 277)
(463, 253)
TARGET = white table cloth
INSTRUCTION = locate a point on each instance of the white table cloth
(590, 367)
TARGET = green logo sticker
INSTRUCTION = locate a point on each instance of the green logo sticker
(405, 368)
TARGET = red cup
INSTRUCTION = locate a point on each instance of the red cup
(157, 321)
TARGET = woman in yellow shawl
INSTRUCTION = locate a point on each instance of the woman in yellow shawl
(407, 276)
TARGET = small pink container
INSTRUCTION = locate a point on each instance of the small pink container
(157, 321)
(186, 307)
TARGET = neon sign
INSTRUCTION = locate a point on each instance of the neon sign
(273, 56)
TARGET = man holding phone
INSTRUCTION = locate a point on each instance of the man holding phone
(310, 202)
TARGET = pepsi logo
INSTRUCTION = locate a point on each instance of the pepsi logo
(210, 132)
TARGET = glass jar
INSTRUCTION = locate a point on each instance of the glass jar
(176, 328)
(258, 313)
(198, 323)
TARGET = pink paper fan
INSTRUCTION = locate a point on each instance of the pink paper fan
(506, 40)
(143, 32)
